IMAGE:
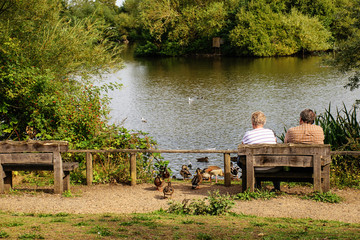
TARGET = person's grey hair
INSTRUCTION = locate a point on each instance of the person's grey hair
(308, 116)
(258, 118)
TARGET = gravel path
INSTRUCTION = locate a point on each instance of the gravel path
(114, 198)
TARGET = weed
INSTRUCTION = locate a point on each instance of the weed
(217, 205)
(324, 197)
(58, 220)
(101, 231)
(14, 224)
(4, 234)
(67, 193)
(45, 215)
(187, 221)
(257, 194)
(203, 236)
(81, 224)
(30, 236)
(61, 214)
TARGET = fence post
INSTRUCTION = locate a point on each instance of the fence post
(89, 168)
(227, 169)
(133, 168)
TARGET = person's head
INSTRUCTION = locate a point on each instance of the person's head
(307, 116)
(258, 119)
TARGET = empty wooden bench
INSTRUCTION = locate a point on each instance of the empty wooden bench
(33, 156)
(306, 162)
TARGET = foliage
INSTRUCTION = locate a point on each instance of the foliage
(67, 193)
(50, 55)
(342, 131)
(257, 194)
(262, 32)
(327, 197)
(256, 28)
(214, 204)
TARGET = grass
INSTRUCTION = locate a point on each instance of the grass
(162, 225)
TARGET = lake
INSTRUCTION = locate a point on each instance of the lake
(223, 92)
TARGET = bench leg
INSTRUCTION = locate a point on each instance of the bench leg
(2, 173)
(66, 181)
(58, 173)
(317, 172)
(250, 173)
(326, 178)
(8, 180)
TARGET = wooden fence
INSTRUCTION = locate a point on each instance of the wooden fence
(133, 152)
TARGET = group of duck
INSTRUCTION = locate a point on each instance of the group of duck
(200, 175)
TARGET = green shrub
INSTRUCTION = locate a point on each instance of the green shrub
(257, 194)
(215, 204)
(327, 197)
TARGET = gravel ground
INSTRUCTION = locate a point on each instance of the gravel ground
(116, 198)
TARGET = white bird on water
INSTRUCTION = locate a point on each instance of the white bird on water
(191, 100)
(143, 120)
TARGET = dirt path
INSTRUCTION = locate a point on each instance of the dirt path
(145, 198)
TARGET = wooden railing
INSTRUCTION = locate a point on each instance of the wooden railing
(133, 152)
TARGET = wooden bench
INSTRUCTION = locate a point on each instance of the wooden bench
(33, 156)
(306, 162)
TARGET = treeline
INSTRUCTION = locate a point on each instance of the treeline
(247, 28)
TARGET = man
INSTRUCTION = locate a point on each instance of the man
(306, 132)
(260, 135)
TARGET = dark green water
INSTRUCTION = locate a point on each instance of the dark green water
(225, 91)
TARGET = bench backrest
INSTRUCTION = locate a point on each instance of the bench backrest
(30, 151)
(293, 155)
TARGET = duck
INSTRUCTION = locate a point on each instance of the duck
(189, 165)
(197, 179)
(184, 172)
(205, 175)
(165, 174)
(234, 170)
(203, 159)
(158, 182)
(168, 191)
(214, 171)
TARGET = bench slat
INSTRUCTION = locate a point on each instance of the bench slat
(20, 158)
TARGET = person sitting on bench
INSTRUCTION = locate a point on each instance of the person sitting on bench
(260, 135)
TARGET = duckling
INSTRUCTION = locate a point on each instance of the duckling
(214, 171)
(203, 159)
(184, 172)
(197, 179)
(168, 191)
(158, 183)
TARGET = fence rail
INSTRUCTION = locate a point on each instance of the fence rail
(133, 152)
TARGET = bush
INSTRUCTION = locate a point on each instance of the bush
(215, 204)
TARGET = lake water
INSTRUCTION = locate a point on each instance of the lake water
(224, 93)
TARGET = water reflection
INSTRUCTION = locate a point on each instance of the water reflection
(225, 91)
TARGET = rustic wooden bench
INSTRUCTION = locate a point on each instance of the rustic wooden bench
(33, 156)
(306, 162)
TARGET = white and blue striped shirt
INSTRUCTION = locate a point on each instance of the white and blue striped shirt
(258, 136)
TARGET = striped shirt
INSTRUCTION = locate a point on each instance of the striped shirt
(305, 133)
(259, 135)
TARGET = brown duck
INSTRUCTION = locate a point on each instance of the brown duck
(168, 191)
(197, 179)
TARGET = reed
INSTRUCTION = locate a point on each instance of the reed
(342, 132)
